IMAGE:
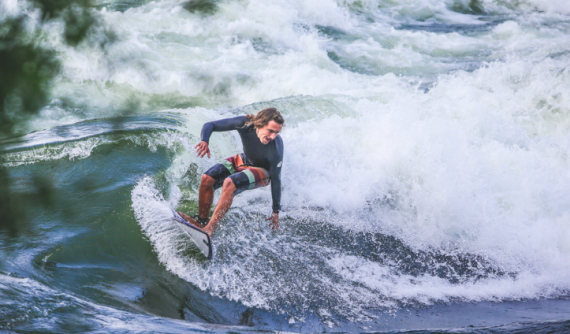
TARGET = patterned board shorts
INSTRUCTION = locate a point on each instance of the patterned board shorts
(244, 177)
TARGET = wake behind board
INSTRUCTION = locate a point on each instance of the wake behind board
(199, 237)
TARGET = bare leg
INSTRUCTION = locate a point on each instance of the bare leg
(205, 199)
(205, 196)
(224, 204)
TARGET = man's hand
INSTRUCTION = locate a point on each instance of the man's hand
(202, 149)
(274, 221)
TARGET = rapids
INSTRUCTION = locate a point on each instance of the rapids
(426, 174)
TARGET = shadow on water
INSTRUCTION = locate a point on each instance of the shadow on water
(453, 266)
(444, 28)
(334, 33)
(203, 7)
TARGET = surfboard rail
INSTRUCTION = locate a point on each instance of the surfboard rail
(200, 238)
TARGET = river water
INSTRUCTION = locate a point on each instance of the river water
(426, 174)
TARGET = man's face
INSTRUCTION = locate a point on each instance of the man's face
(267, 133)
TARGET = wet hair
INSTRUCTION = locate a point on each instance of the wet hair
(263, 117)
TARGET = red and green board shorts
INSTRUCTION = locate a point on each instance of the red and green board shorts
(243, 176)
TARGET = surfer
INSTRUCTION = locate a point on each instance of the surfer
(259, 165)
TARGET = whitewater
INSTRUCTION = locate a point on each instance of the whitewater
(426, 173)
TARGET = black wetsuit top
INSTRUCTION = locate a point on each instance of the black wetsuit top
(269, 156)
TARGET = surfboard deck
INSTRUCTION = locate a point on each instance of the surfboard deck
(200, 238)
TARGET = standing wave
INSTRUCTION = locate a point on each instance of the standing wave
(455, 194)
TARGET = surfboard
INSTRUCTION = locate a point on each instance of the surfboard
(200, 238)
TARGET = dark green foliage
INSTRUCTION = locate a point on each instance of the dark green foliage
(26, 70)
(77, 23)
(24, 74)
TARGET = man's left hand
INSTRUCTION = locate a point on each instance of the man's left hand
(274, 221)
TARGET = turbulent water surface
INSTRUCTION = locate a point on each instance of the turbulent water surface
(426, 176)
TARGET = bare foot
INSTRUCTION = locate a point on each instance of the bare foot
(192, 220)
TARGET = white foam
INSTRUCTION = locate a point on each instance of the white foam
(154, 215)
(263, 50)
(77, 150)
(428, 290)
(476, 166)
(554, 6)
(9, 8)
(171, 51)
(44, 149)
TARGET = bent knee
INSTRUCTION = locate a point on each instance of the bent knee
(229, 184)
(207, 180)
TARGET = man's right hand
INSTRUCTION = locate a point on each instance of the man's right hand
(202, 149)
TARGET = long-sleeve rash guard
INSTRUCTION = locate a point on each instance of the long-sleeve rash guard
(269, 156)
